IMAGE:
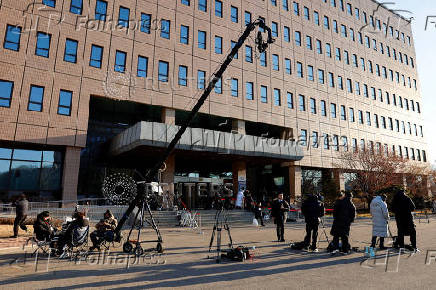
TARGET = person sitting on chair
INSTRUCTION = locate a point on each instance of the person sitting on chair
(104, 230)
(43, 227)
(79, 221)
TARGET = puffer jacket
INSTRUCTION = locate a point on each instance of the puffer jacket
(380, 217)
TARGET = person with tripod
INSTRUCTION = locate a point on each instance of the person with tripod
(380, 219)
(279, 212)
(312, 209)
(344, 213)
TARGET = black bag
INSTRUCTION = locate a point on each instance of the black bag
(238, 254)
(298, 246)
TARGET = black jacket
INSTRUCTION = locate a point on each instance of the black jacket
(280, 209)
(42, 228)
(344, 213)
(403, 206)
(312, 209)
(21, 207)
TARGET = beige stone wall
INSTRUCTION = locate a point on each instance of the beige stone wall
(47, 127)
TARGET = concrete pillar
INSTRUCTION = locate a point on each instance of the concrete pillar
(338, 177)
(238, 126)
(294, 182)
(239, 172)
(70, 175)
(168, 116)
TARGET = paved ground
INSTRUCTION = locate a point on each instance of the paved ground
(185, 265)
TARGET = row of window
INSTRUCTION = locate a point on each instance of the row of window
(373, 21)
(333, 142)
(36, 98)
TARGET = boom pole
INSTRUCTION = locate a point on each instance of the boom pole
(262, 46)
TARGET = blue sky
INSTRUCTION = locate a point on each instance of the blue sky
(425, 41)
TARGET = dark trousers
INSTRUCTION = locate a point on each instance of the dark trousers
(280, 228)
(19, 222)
(345, 245)
(311, 230)
(400, 238)
(374, 240)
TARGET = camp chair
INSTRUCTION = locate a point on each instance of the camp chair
(78, 245)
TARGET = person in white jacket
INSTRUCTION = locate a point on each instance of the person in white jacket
(380, 219)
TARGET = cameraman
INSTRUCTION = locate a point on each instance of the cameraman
(312, 209)
(279, 212)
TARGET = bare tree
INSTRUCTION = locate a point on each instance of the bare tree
(373, 171)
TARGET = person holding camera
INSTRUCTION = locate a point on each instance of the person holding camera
(312, 209)
(279, 212)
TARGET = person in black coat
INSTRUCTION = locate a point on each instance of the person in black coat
(312, 209)
(279, 212)
(344, 213)
(21, 207)
(43, 227)
(258, 213)
(403, 206)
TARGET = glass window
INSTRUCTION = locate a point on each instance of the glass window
(6, 89)
(165, 28)
(306, 13)
(218, 8)
(323, 108)
(331, 80)
(286, 34)
(202, 5)
(316, 17)
(318, 46)
(262, 59)
(312, 106)
(315, 139)
(202, 39)
(303, 138)
(76, 6)
(290, 100)
(12, 37)
(233, 44)
(201, 78)
(326, 141)
(42, 44)
(301, 103)
(275, 62)
(300, 69)
(96, 56)
(296, 9)
(123, 17)
(288, 68)
(310, 73)
(326, 22)
(163, 71)
(142, 66)
(285, 5)
(249, 91)
(277, 98)
(309, 42)
(183, 75)
(248, 54)
(36, 98)
(70, 54)
(321, 76)
(186, 2)
(120, 61)
(328, 49)
(25, 175)
(247, 16)
(64, 106)
(274, 29)
(145, 23)
(351, 114)
(219, 86)
(235, 87)
(333, 110)
(218, 45)
(263, 94)
(184, 34)
(234, 14)
(298, 38)
(336, 142)
(50, 3)
(100, 10)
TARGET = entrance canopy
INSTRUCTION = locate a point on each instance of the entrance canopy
(198, 139)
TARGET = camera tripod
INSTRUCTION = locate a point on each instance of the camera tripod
(220, 224)
(138, 250)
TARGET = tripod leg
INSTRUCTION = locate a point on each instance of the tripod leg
(153, 223)
(212, 238)
(218, 245)
(227, 228)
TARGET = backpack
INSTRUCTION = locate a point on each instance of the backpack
(298, 246)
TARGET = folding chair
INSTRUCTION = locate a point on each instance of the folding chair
(40, 246)
(78, 245)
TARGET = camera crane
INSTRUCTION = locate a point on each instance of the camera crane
(141, 197)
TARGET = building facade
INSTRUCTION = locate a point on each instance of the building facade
(341, 75)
